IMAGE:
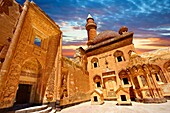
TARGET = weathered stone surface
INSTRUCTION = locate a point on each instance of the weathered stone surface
(77, 83)
(9, 14)
(30, 64)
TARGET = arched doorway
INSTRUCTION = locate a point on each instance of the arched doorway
(29, 87)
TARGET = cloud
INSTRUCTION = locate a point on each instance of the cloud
(68, 52)
(165, 34)
(146, 18)
(164, 28)
(148, 44)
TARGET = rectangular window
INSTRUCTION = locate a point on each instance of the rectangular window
(157, 78)
(119, 59)
(95, 99)
(123, 97)
(125, 81)
(37, 41)
(98, 84)
(95, 64)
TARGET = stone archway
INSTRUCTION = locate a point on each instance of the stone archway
(29, 86)
(167, 68)
(158, 73)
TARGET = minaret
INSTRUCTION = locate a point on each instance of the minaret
(91, 29)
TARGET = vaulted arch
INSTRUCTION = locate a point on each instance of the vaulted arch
(167, 66)
(30, 80)
(159, 75)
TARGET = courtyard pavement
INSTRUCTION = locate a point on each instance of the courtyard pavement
(111, 107)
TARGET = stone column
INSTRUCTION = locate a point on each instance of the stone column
(149, 85)
(155, 84)
(59, 74)
(130, 76)
(133, 85)
(141, 85)
(166, 75)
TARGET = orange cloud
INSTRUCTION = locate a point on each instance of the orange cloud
(148, 44)
(68, 52)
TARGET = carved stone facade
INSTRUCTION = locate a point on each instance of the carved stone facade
(29, 64)
(113, 63)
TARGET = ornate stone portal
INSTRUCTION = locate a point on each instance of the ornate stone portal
(29, 65)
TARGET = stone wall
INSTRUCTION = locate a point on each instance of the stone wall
(28, 63)
(9, 14)
(76, 89)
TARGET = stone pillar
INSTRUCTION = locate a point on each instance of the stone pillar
(167, 75)
(156, 87)
(130, 76)
(149, 85)
(141, 85)
(133, 85)
(59, 74)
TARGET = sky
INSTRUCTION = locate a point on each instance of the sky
(148, 19)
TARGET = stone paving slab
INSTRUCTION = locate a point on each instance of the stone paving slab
(111, 107)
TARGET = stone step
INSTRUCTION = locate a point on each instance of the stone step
(53, 111)
(32, 109)
(47, 110)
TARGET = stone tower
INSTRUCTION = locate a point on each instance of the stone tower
(91, 29)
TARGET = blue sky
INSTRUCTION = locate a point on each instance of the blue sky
(148, 19)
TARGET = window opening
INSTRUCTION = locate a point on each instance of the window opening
(125, 81)
(95, 64)
(119, 58)
(98, 84)
(37, 41)
(95, 99)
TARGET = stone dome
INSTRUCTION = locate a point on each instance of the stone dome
(105, 35)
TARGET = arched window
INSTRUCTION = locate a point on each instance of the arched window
(95, 62)
(124, 77)
(119, 56)
(159, 75)
(97, 81)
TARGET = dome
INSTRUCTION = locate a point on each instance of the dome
(105, 35)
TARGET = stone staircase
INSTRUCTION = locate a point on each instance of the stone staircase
(36, 109)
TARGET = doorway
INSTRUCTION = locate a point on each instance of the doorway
(123, 97)
(23, 94)
(95, 99)
(110, 87)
